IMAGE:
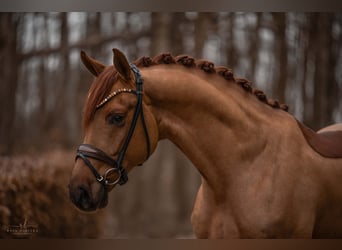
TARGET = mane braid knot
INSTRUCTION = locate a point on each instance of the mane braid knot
(206, 66)
(260, 95)
(225, 73)
(165, 58)
(185, 60)
(144, 61)
(245, 84)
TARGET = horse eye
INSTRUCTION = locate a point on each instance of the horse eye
(116, 119)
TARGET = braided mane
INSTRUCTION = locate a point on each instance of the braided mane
(103, 84)
(209, 67)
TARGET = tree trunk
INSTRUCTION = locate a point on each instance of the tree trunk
(201, 33)
(324, 80)
(9, 80)
(280, 52)
(232, 53)
(254, 44)
(160, 37)
(176, 33)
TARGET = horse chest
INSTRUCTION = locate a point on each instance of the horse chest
(210, 219)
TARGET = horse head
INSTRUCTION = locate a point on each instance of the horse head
(120, 132)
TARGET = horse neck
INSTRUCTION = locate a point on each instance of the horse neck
(215, 123)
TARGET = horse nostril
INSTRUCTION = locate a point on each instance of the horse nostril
(84, 197)
(81, 197)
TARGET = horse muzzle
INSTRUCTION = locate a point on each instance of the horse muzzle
(85, 199)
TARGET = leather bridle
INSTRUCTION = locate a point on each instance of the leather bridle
(86, 151)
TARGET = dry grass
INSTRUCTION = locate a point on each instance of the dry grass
(34, 199)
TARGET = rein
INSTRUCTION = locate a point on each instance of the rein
(86, 151)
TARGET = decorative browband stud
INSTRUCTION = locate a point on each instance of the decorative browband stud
(111, 95)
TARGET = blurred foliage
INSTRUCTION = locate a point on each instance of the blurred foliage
(34, 201)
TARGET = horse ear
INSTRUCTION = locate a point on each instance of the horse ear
(91, 64)
(121, 64)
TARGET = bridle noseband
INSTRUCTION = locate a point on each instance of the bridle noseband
(86, 151)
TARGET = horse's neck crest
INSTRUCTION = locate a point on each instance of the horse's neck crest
(209, 67)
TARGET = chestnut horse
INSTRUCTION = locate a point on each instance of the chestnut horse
(264, 174)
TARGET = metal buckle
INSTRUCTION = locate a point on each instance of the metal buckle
(100, 179)
(114, 182)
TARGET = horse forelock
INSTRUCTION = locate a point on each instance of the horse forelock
(209, 67)
(99, 89)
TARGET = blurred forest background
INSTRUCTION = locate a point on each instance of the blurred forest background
(294, 57)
